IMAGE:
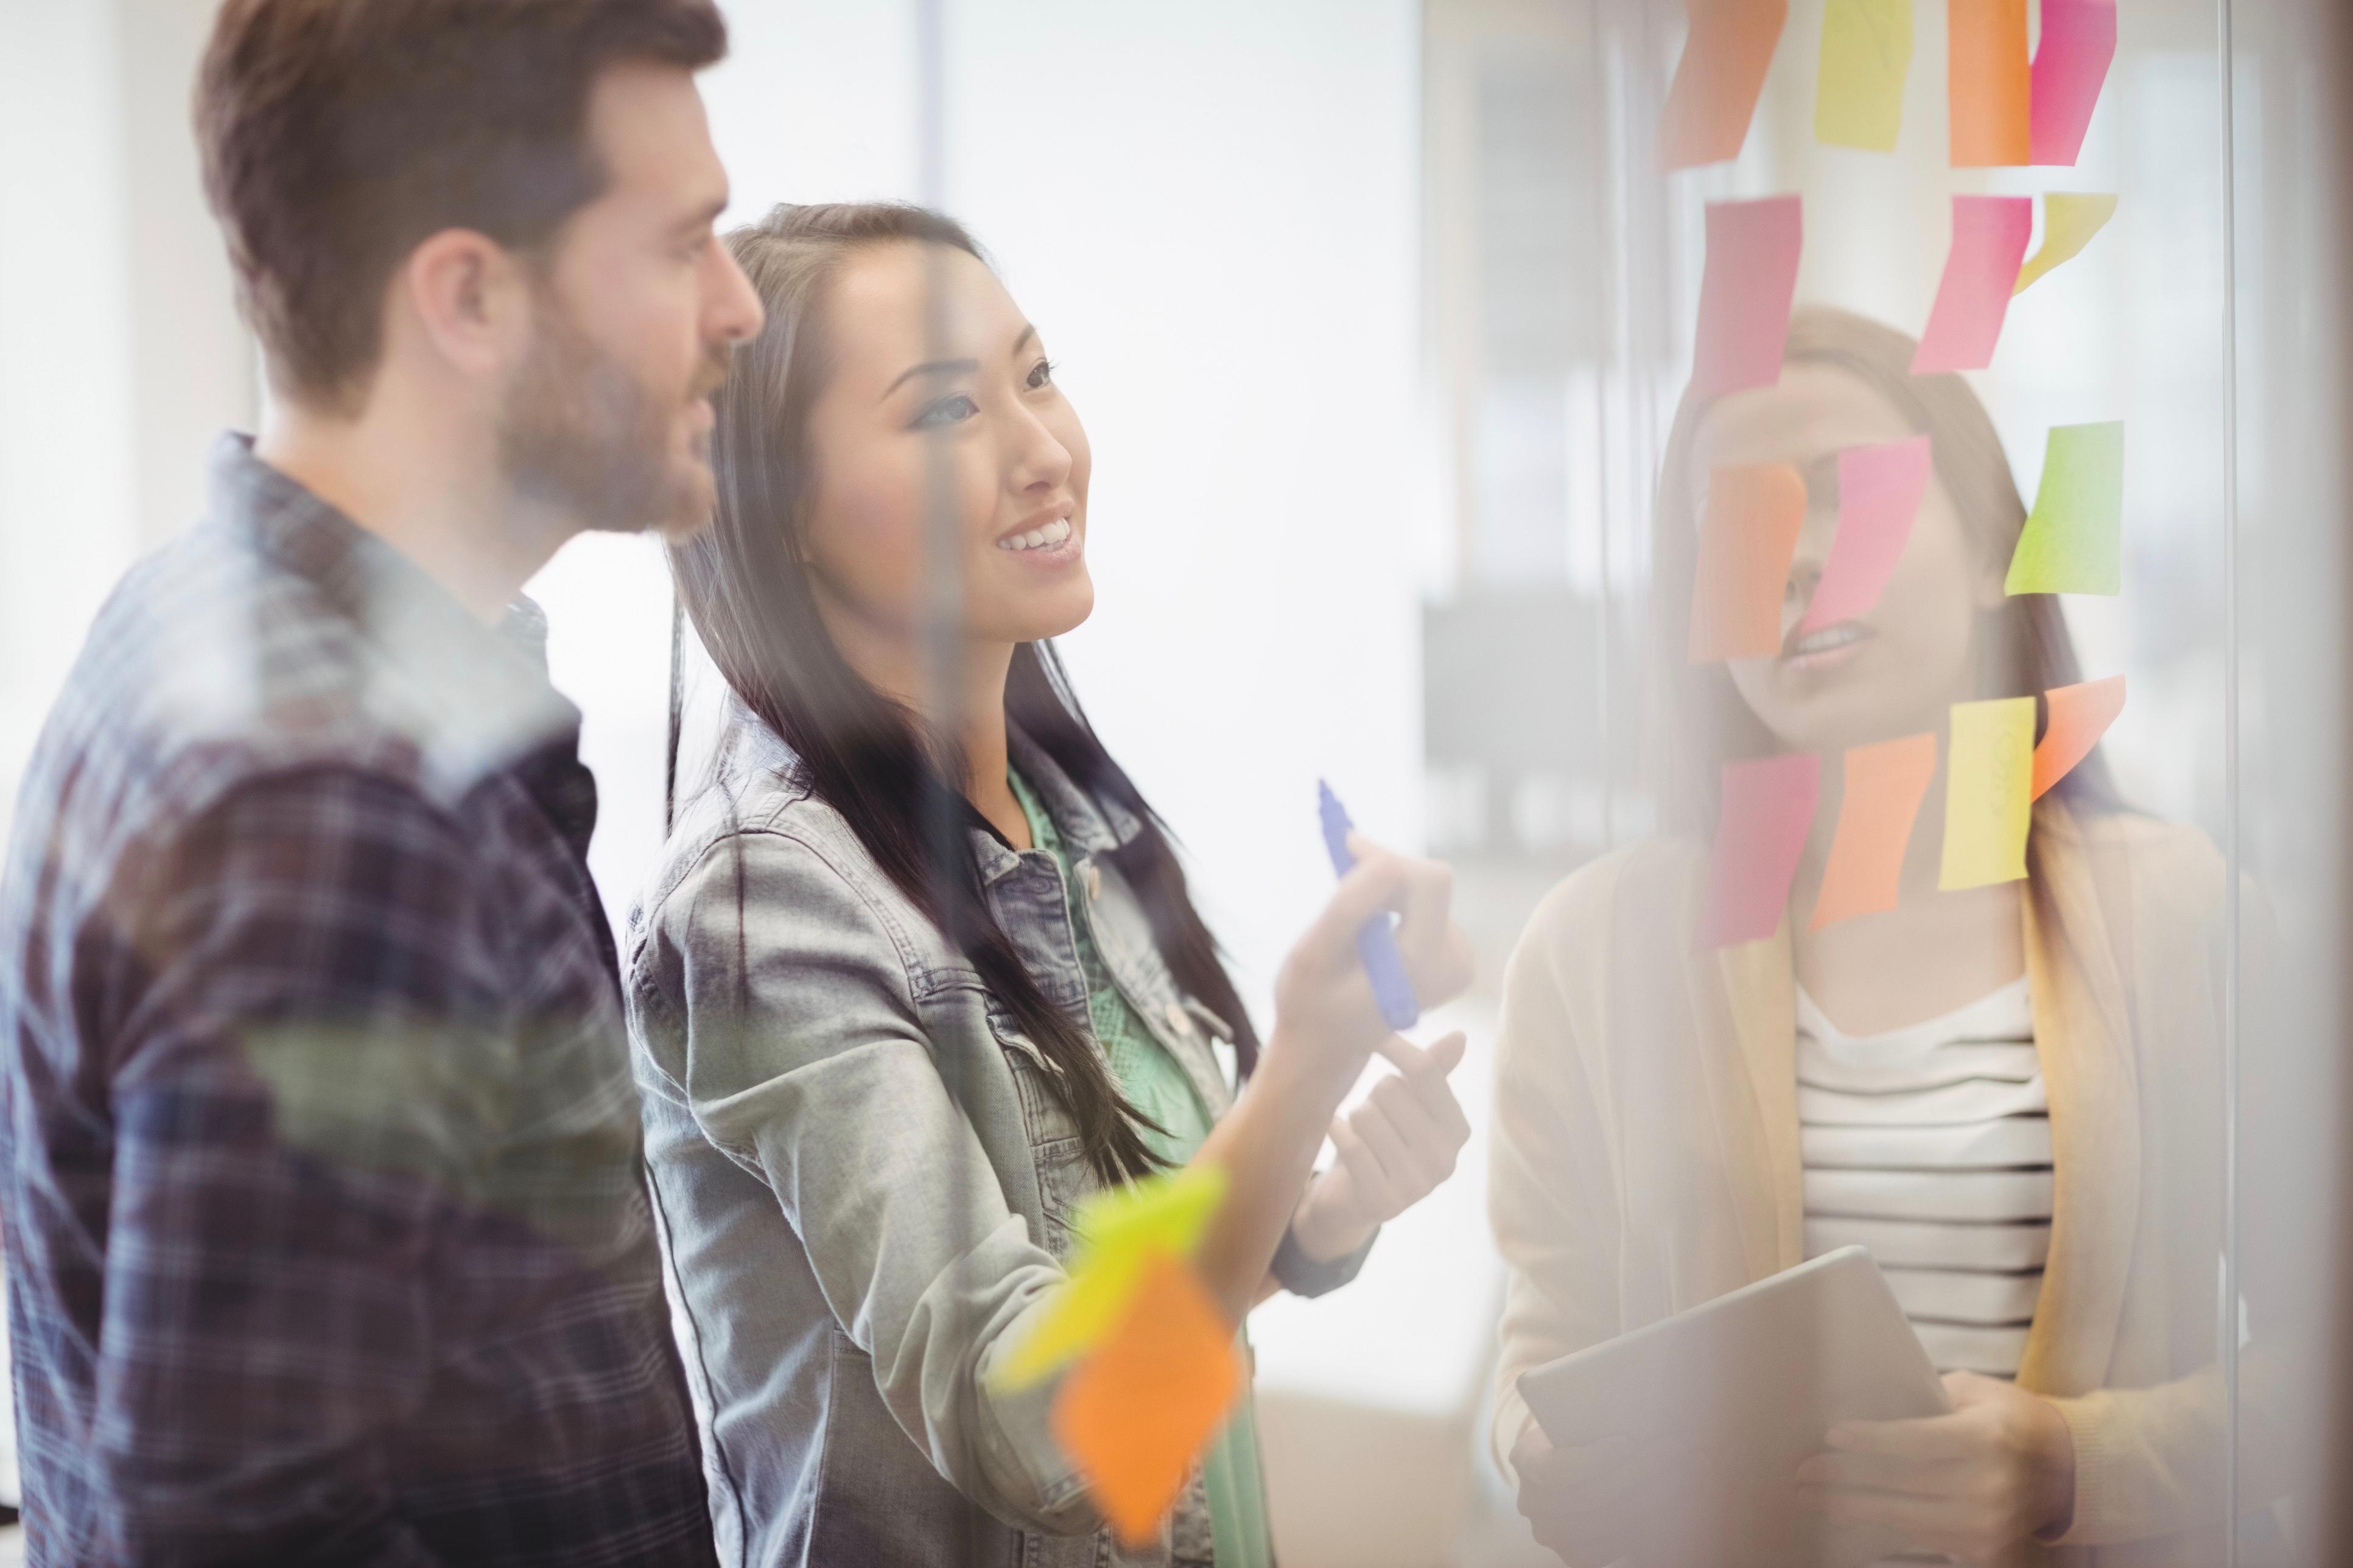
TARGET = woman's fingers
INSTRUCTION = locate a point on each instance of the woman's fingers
(1951, 1437)
(1399, 1163)
(1886, 1472)
(1436, 954)
(1428, 1149)
(1933, 1523)
(1372, 1185)
(1423, 1070)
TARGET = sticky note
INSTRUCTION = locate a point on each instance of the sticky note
(1745, 294)
(1769, 807)
(2069, 219)
(1120, 1231)
(1988, 798)
(2079, 43)
(1885, 785)
(1714, 95)
(1168, 1211)
(1141, 1407)
(1859, 90)
(1880, 490)
(2073, 542)
(1989, 238)
(1988, 83)
(2080, 715)
(1749, 531)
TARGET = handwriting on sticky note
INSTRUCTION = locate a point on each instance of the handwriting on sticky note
(1885, 785)
(1988, 800)
(1134, 1415)
(1989, 238)
(2073, 542)
(1988, 83)
(1749, 531)
(1865, 56)
(2080, 715)
(2069, 219)
(1760, 831)
(2079, 43)
(1120, 1231)
(1714, 95)
(1880, 490)
(1745, 294)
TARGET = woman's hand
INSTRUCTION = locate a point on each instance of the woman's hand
(1325, 1022)
(1650, 1503)
(2001, 1468)
(1395, 1148)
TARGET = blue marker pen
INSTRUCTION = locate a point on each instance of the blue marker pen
(1376, 943)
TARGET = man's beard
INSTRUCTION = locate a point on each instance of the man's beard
(581, 437)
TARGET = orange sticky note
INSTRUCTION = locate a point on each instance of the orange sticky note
(2080, 715)
(1988, 83)
(1137, 1411)
(1884, 786)
(1748, 531)
(1719, 79)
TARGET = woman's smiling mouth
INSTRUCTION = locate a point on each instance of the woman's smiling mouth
(1825, 648)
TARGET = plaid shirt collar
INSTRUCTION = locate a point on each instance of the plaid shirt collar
(476, 699)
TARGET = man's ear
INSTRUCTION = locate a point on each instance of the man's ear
(468, 298)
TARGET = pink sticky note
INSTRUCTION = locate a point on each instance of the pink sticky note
(1744, 296)
(2079, 42)
(1879, 495)
(1769, 806)
(1989, 236)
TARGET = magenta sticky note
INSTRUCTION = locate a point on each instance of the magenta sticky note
(1769, 807)
(1989, 236)
(1880, 488)
(1746, 293)
(2071, 65)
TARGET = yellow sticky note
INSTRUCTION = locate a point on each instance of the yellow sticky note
(2069, 219)
(1859, 93)
(1988, 792)
(1120, 1233)
(1168, 1211)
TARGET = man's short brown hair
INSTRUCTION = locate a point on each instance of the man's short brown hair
(338, 134)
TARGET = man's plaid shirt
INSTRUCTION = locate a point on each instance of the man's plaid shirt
(326, 1232)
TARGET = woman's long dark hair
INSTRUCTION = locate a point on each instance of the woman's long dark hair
(744, 585)
(2023, 644)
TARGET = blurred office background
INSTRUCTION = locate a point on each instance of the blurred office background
(1376, 310)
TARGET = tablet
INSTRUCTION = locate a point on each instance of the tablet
(1749, 1383)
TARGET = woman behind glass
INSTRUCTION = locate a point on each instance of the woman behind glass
(880, 1079)
(2008, 1093)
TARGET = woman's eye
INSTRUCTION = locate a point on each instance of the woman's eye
(1041, 374)
(953, 410)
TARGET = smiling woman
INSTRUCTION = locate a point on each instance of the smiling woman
(920, 975)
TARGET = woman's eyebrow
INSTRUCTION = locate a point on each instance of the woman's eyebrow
(933, 367)
(1029, 335)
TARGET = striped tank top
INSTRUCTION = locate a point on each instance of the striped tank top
(1931, 1146)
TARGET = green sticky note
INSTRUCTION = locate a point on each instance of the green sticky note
(1988, 792)
(2073, 542)
(1120, 1231)
(1858, 92)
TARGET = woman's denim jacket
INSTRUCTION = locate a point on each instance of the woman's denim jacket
(865, 1180)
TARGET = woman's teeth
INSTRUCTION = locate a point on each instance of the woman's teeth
(1053, 532)
(1829, 637)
